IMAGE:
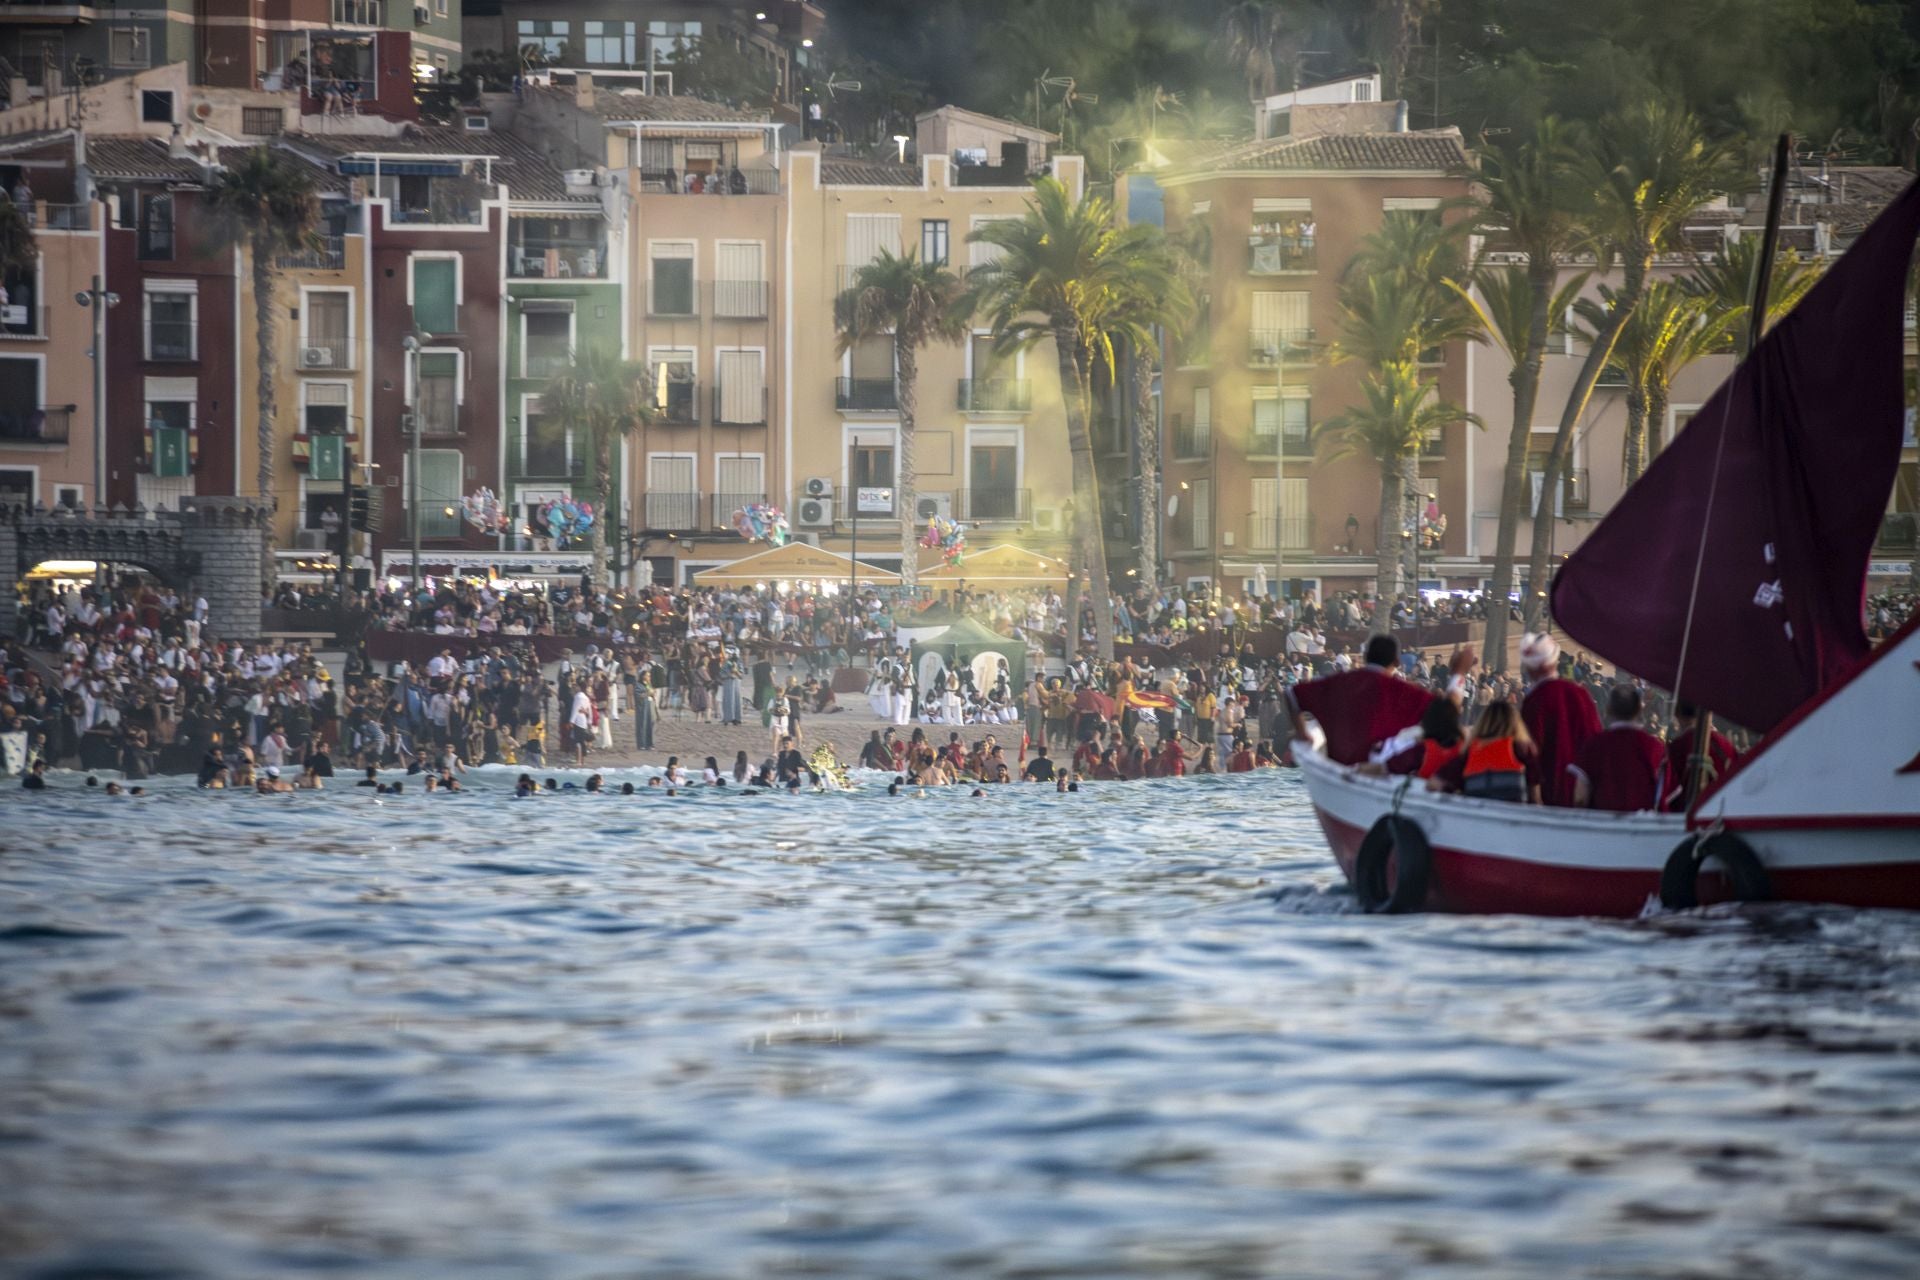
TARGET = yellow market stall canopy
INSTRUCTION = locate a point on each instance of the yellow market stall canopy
(794, 562)
(1002, 568)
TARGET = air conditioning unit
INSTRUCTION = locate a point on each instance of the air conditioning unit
(1046, 519)
(932, 505)
(310, 540)
(815, 513)
(422, 15)
(316, 357)
(819, 487)
(477, 124)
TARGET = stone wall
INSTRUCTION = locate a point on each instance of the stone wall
(213, 547)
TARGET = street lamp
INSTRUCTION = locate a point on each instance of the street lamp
(103, 298)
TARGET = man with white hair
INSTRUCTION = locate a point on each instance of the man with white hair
(1560, 716)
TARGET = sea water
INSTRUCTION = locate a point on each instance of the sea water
(1138, 1031)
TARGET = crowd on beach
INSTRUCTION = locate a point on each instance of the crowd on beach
(126, 677)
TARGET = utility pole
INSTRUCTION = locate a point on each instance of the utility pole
(99, 300)
(346, 518)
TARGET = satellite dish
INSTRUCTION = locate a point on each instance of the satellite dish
(1173, 505)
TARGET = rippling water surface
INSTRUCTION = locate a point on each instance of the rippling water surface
(1135, 1032)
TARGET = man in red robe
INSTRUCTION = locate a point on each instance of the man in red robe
(1619, 770)
(1560, 716)
(1357, 709)
(1720, 757)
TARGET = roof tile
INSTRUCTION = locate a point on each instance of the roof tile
(1424, 150)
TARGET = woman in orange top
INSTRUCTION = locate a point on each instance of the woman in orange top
(1494, 764)
(1440, 737)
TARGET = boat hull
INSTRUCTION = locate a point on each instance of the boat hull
(1491, 857)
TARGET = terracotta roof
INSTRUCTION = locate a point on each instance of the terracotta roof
(527, 170)
(324, 180)
(616, 104)
(114, 156)
(1424, 150)
(14, 143)
(841, 171)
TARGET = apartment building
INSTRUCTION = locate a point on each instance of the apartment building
(357, 54)
(990, 433)
(47, 447)
(1260, 493)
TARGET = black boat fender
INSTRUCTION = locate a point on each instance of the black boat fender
(1400, 839)
(1680, 878)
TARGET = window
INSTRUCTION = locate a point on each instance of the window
(1201, 523)
(21, 417)
(546, 340)
(441, 473)
(170, 324)
(328, 342)
(156, 226)
(356, 13)
(742, 387)
(170, 424)
(261, 121)
(993, 475)
(438, 403)
(156, 106)
(740, 291)
(1363, 91)
(611, 43)
(670, 37)
(436, 294)
(868, 234)
(671, 281)
(440, 8)
(546, 450)
(548, 36)
(870, 462)
(671, 500)
(16, 486)
(933, 241)
(986, 362)
(671, 373)
(979, 255)
(325, 411)
(128, 47)
(1288, 419)
(737, 481)
(1280, 326)
(67, 495)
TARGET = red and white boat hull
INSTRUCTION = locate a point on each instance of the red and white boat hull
(1830, 806)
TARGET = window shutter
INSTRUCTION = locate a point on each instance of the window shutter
(740, 384)
(434, 309)
(868, 234)
(738, 477)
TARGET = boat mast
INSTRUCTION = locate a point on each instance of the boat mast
(1756, 328)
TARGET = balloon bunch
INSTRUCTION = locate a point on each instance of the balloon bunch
(484, 512)
(564, 520)
(948, 538)
(761, 522)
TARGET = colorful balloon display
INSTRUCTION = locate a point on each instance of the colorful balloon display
(948, 538)
(761, 522)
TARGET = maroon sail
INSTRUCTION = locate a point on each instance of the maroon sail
(1813, 421)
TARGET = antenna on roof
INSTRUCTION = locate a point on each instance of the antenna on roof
(837, 86)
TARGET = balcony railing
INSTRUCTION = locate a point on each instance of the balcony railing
(1610, 376)
(1272, 256)
(326, 354)
(681, 408)
(1269, 347)
(742, 409)
(1899, 531)
(1294, 528)
(725, 504)
(874, 395)
(740, 299)
(329, 255)
(996, 395)
(537, 260)
(49, 424)
(1008, 505)
(734, 182)
(1191, 439)
(1298, 442)
(170, 340)
(547, 364)
(67, 217)
(543, 460)
(674, 511)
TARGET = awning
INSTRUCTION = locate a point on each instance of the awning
(796, 561)
(1001, 568)
(353, 166)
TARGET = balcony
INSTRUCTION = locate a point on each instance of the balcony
(1015, 171)
(539, 259)
(1262, 444)
(672, 511)
(170, 340)
(1295, 529)
(443, 424)
(66, 217)
(996, 395)
(1010, 506)
(545, 364)
(725, 504)
(538, 458)
(1280, 255)
(326, 353)
(1899, 532)
(1268, 348)
(740, 299)
(681, 408)
(734, 182)
(330, 254)
(49, 424)
(1191, 439)
(742, 409)
(865, 395)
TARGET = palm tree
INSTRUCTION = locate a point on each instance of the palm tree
(1535, 205)
(267, 203)
(1059, 270)
(1726, 281)
(1651, 167)
(1402, 408)
(18, 250)
(915, 303)
(1668, 331)
(601, 398)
